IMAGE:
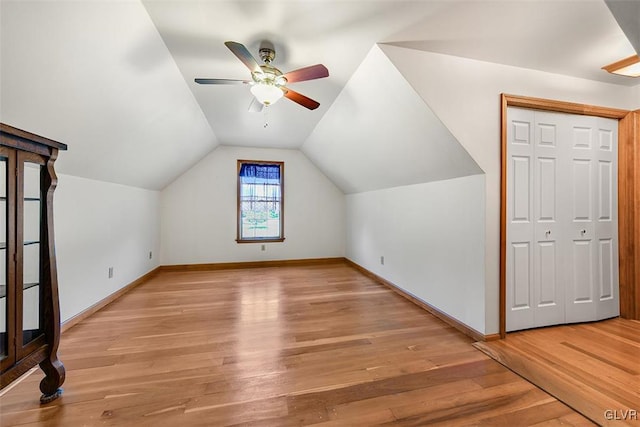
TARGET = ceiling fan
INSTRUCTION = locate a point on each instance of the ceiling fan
(268, 84)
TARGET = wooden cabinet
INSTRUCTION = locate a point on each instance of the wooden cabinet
(29, 307)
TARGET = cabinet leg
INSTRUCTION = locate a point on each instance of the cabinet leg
(46, 398)
(54, 377)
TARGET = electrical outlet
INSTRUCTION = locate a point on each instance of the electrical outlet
(382, 260)
(263, 248)
(150, 254)
(110, 272)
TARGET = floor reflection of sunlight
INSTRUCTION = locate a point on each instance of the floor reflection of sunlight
(259, 309)
(259, 337)
(259, 303)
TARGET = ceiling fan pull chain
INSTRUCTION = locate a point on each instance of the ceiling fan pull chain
(266, 118)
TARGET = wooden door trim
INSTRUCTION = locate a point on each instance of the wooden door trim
(563, 107)
(628, 208)
(628, 194)
(632, 288)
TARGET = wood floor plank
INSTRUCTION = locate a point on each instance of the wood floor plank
(286, 346)
(592, 367)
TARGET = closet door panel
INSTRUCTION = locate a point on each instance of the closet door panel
(547, 178)
(605, 188)
(582, 283)
(606, 267)
(582, 189)
(582, 182)
(522, 269)
(548, 270)
(521, 209)
(606, 221)
(520, 217)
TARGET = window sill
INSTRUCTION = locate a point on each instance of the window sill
(260, 240)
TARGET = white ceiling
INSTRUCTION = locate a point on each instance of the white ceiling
(114, 79)
(574, 38)
(567, 37)
(337, 34)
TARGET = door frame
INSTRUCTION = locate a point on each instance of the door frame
(628, 195)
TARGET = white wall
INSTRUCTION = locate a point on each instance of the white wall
(199, 211)
(432, 238)
(100, 225)
(465, 95)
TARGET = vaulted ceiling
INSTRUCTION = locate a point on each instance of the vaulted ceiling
(115, 79)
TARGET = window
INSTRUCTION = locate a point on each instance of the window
(260, 201)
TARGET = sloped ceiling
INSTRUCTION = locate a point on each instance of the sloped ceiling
(337, 34)
(114, 78)
(574, 38)
(97, 76)
(363, 143)
(627, 13)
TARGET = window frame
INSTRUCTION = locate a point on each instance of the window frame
(239, 238)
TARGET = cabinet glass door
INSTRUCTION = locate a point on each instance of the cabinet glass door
(4, 347)
(31, 293)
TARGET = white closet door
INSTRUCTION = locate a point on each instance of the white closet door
(520, 227)
(592, 292)
(606, 226)
(581, 173)
(550, 237)
(562, 243)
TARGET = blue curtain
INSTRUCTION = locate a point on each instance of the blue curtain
(260, 173)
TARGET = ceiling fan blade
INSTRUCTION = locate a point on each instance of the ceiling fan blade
(221, 81)
(300, 99)
(312, 72)
(255, 106)
(243, 55)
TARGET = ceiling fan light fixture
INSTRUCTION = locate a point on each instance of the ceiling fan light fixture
(266, 94)
(268, 83)
(629, 67)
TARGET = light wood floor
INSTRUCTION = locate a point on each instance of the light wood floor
(593, 367)
(276, 347)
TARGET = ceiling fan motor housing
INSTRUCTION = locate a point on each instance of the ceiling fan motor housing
(267, 54)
